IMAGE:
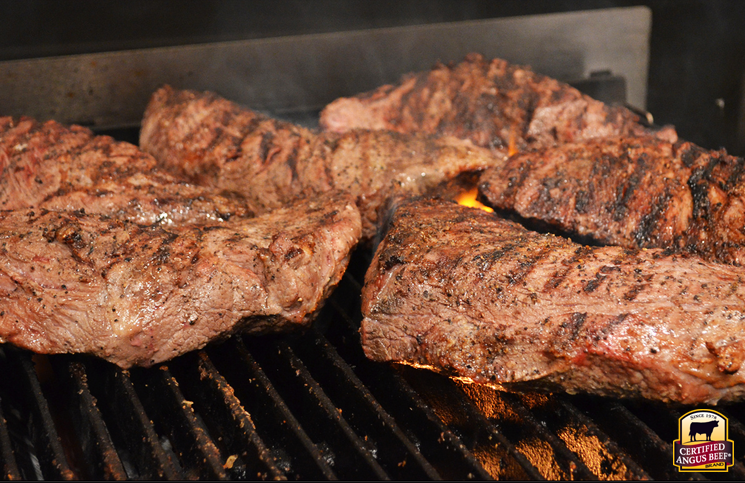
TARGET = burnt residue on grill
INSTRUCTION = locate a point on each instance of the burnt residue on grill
(311, 406)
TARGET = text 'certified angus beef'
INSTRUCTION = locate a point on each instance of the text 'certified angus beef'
(59, 168)
(470, 294)
(493, 103)
(139, 295)
(635, 192)
(217, 143)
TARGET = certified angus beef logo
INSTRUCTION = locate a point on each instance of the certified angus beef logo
(702, 443)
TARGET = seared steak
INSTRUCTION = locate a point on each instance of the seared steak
(139, 295)
(493, 103)
(470, 294)
(58, 168)
(217, 143)
(635, 192)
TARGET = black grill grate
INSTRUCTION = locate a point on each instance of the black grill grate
(310, 406)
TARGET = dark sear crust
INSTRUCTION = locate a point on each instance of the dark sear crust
(464, 292)
(217, 143)
(493, 103)
(638, 192)
(58, 168)
(139, 295)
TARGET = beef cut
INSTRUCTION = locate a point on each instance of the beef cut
(217, 143)
(639, 192)
(470, 294)
(493, 103)
(58, 168)
(138, 295)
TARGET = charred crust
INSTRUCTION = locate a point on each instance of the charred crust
(643, 235)
(625, 191)
(485, 260)
(699, 185)
(526, 266)
(265, 146)
(293, 252)
(632, 293)
(74, 239)
(689, 156)
(292, 163)
(575, 323)
(582, 200)
(592, 285)
(558, 277)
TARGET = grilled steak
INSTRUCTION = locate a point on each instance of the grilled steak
(53, 167)
(217, 143)
(636, 192)
(139, 295)
(465, 292)
(493, 103)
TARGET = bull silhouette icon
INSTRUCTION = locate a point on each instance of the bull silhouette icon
(702, 428)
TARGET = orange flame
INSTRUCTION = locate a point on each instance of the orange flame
(512, 143)
(469, 199)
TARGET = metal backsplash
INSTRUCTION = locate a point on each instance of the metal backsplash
(303, 73)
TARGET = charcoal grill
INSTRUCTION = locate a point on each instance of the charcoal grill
(310, 405)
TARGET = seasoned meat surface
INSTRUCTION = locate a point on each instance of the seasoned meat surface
(139, 295)
(639, 192)
(470, 294)
(58, 168)
(217, 143)
(493, 103)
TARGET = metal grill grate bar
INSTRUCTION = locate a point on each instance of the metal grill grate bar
(174, 416)
(216, 402)
(370, 420)
(129, 425)
(98, 451)
(612, 461)
(320, 418)
(48, 448)
(10, 469)
(293, 451)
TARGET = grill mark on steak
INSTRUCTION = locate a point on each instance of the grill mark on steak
(560, 276)
(593, 284)
(663, 327)
(525, 267)
(652, 220)
(265, 147)
(280, 162)
(699, 182)
(640, 192)
(485, 260)
(626, 190)
(633, 292)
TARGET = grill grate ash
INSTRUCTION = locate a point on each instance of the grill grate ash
(311, 406)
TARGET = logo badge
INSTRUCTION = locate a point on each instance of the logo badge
(702, 443)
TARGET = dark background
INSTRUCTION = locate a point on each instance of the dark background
(697, 51)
